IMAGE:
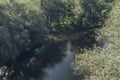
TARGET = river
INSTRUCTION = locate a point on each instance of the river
(60, 66)
(61, 70)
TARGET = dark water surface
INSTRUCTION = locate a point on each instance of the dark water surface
(61, 70)
(48, 62)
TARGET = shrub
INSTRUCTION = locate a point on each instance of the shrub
(103, 63)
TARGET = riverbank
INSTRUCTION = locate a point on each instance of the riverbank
(102, 62)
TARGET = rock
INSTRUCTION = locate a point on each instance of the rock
(104, 43)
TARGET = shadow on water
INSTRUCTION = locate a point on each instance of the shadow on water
(61, 70)
(30, 64)
(86, 41)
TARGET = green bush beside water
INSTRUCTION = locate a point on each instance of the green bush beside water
(99, 63)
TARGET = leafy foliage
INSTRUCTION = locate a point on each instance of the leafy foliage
(24, 25)
(59, 14)
(94, 13)
(103, 63)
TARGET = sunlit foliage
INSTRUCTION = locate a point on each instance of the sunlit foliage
(103, 63)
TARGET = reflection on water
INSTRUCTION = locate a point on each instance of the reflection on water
(32, 65)
(62, 70)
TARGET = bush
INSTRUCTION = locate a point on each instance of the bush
(93, 13)
(21, 28)
(59, 15)
(103, 63)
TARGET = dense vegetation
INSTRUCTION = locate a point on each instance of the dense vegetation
(102, 62)
(26, 24)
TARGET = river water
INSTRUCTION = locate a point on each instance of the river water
(61, 70)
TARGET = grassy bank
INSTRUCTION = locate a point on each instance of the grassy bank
(103, 63)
